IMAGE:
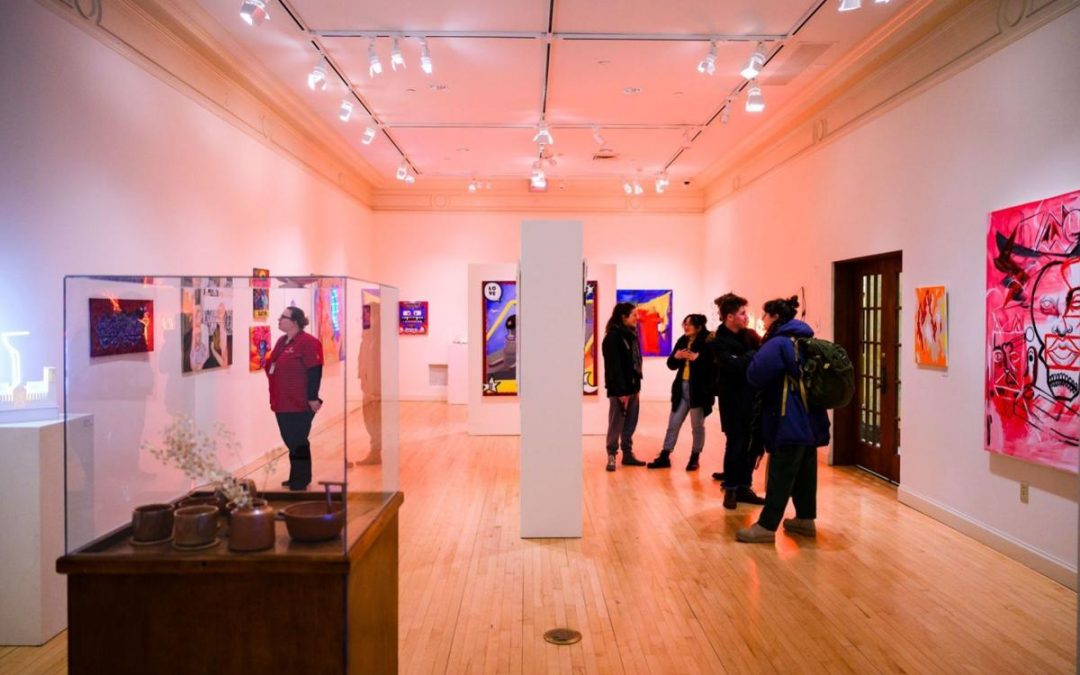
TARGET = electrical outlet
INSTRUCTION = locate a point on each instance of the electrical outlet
(1024, 493)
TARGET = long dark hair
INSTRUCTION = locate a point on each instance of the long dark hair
(618, 313)
(784, 309)
(699, 321)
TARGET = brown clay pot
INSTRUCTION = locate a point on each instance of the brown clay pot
(152, 522)
(251, 528)
(195, 525)
(314, 521)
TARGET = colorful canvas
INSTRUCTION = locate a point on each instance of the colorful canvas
(260, 294)
(206, 323)
(412, 317)
(329, 319)
(1032, 392)
(931, 327)
(259, 347)
(654, 319)
(500, 338)
(121, 326)
(589, 384)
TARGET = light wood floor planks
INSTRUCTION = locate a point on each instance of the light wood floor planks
(657, 583)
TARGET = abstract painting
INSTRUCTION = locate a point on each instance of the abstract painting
(589, 383)
(260, 294)
(500, 338)
(121, 326)
(330, 319)
(206, 323)
(1032, 388)
(654, 319)
(931, 327)
(412, 317)
(259, 347)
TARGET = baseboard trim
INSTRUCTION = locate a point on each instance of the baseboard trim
(1047, 565)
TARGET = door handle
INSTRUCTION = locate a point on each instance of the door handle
(883, 387)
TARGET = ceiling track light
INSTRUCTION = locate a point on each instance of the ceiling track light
(725, 112)
(316, 79)
(543, 134)
(707, 65)
(254, 12)
(662, 182)
(346, 110)
(402, 170)
(425, 57)
(374, 65)
(755, 62)
(369, 134)
(755, 102)
(396, 59)
(597, 136)
(848, 5)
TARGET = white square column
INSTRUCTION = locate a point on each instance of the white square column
(550, 363)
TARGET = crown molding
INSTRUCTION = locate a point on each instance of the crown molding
(548, 202)
(928, 42)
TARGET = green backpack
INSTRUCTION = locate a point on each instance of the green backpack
(827, 376)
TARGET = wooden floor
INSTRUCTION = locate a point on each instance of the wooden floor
(657, 583)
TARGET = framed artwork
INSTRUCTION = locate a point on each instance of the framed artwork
(121, 326)
(654, 319)
(412, 317)
(330, 319)
(931, 327)
(259, 347)
(206, 323)
(590, 387)
(260, 294)
(500, 338)
(1032, 390)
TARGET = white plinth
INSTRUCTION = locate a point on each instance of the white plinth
(457, 375)
(33, 597)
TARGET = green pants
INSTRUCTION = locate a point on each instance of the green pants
(792, 475)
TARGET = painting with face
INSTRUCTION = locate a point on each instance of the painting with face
(1032, 388)
(206, 312)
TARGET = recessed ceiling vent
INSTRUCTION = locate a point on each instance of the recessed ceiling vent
(605, 153)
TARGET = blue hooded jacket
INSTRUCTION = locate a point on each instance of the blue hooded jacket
(767, 372)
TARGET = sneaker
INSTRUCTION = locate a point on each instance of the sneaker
(719, 475)
(731, 499)
(693, 465)
(748, 496)
(611, 462)
(662, 461)
(755, 534)
(628, 459)
(803, 526)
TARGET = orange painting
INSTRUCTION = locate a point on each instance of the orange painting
(931, 327)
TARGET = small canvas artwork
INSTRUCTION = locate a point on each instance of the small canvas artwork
(365, 316)
(412, 317)
(931, 327)
(121, 326)
(653, 310)
(500, 338)
(590, 387)
(259, 347)
(260, 294)
(206, 323)
(330, 319)
(1032, 392)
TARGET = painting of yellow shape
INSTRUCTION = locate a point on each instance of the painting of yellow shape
(931, 327)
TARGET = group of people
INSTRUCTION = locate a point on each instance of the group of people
(749, 377)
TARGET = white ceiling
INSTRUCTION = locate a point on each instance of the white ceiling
(498, 68)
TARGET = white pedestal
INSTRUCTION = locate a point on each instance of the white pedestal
(33, 596)
(457, 376)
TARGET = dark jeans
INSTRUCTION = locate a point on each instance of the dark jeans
(738, 462)
(792, 474)
(621, 424)
(295, 428)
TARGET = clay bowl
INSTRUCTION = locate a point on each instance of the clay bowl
(152, 523)
(195, 525)
(310, 521)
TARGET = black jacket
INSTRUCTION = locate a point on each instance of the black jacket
(702, 374)
(622, 371)
(732, 353)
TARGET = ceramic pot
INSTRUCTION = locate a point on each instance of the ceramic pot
(314, 521)
(152, 522)
(251, 528)
(195, 525)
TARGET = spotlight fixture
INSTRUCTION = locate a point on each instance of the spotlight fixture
(316, 79)
(396, 59)
(253, 12)
(374, 65)
(402, 170)
(662, 182)
(757, 60)
(346, 110)
(472, 186)
(538, 181)
(369, 134)
(755, 102)
(707, 65)
(848, 5)
(632, 187)
(543, 134)
(409, 179)
(627, 187)
(425, 57)
(725, 113)
(597, 136)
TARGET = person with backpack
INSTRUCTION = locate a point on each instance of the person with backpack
(622, 379)
(793, 427)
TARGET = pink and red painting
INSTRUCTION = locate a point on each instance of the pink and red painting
(259, 347)
(121, 326)
(1032, 391)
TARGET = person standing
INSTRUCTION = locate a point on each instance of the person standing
(294, 372)
(691, 391)
(622, 380)
(792, 428)
(733, 345)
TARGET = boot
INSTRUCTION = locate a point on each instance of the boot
(748, 496)
(628, 459)
(611, 462)
(692, 465)
(756, 534)
(803, 526)
(731, 499)
(662, 461)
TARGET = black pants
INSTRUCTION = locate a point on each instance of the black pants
(792, 475)
(738, 462)
(295, 428)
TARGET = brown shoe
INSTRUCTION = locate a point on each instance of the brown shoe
(731, 499)
(755, 534)
(803, 526)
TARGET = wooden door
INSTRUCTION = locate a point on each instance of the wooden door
(868, 304)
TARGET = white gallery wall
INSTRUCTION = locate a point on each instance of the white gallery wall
(922, 179)
(427, 255)
(107, 169)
